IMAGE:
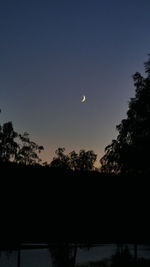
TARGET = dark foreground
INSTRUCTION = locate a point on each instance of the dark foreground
(42, 204)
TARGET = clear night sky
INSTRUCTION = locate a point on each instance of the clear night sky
(53, 51)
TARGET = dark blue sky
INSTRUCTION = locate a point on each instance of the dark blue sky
(52, 52)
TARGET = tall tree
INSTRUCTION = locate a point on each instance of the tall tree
(129, 152)
(16, 147)
(8, 144)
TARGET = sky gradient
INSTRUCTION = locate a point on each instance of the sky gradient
(54, 51)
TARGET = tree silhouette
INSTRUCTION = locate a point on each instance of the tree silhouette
(84, 161)
(16, 147)
(28, 151)
(8, 145)
(128, 153)
(62, 160)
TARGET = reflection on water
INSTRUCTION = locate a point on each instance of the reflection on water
(42, 258)
(95, 253)
(106, 251)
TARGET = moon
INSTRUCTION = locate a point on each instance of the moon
(83, 98)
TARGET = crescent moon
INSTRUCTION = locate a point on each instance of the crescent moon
(83, 98)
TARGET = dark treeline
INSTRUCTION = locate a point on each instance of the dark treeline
(38, 170)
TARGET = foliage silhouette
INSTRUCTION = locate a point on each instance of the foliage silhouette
(8, 145)
(27, 152)
(16, 147)
(84, 161)
(128, 153)
(61, 161)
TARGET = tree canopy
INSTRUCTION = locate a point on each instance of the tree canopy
(129, 152)
(82, 161)
(8, 144)
(16, 147)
